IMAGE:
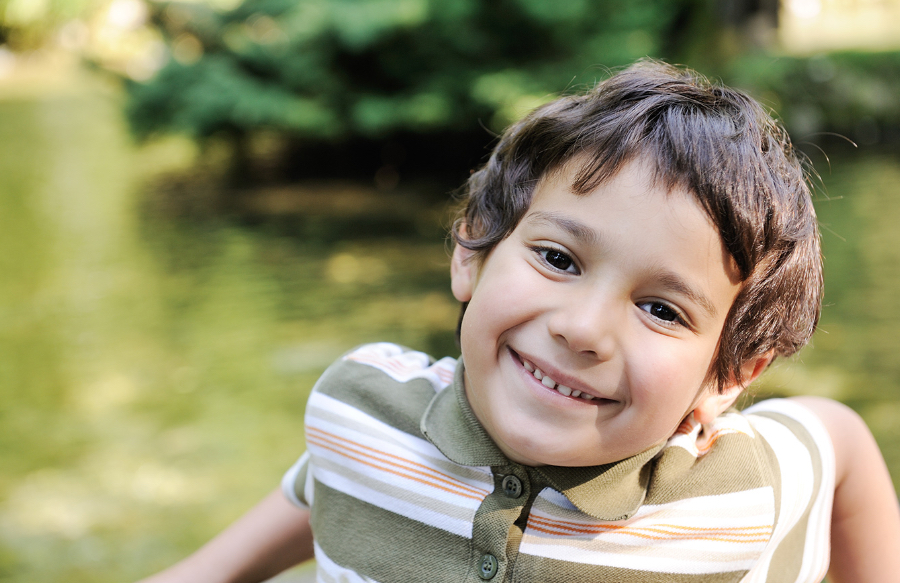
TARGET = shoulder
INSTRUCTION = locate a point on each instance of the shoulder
(775, 437)
(778, 449)
(769, 468)
(386, 381)
(794, 431)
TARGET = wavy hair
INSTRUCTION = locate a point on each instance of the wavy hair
(716, 142)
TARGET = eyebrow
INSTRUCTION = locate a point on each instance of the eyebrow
(580, 231)
(585, 234)
(677, 285)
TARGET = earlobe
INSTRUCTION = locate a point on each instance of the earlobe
(463, 270)
(714, 404)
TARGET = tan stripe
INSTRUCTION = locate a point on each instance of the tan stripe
(316, 413)
(407, 469)
(669, 531)
(362, 485)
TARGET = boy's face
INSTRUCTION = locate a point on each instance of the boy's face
(620, 294)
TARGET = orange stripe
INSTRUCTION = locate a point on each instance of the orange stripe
(400, 368)
(698, 534)
(401, 474)
(685, 428)
(425, 470)
(681, 532)
(551, 521)
(390, 363)
(660, 538)
(434, 476)
(403, 369)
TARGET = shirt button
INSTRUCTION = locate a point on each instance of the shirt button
(488, 567)
(512, 486)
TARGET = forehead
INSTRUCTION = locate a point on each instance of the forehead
(631, 177)
(584, 174)
(635, 202)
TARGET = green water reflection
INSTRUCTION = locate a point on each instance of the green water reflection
(155, 368)
(854, 355)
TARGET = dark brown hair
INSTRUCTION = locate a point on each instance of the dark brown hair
(714, 141)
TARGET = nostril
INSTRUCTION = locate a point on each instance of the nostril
(589, 329)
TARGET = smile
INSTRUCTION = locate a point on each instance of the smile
(551, 384)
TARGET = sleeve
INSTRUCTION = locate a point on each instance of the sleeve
(803, 457)
(297, 483)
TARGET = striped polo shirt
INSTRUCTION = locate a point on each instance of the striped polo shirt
(405, 485)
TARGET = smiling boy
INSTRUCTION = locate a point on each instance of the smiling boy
(629, 260)
(595, 321)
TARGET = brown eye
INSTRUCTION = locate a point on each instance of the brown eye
(557, 259)
(663, 312)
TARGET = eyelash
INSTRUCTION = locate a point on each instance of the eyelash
(542, 251)
(679, 319)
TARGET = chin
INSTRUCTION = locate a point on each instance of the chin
(531, 453)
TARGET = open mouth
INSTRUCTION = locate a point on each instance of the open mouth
(550, 383)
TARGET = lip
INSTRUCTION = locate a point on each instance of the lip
(560, 378)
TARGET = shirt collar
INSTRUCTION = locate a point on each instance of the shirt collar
(451, 426)
(608, 492)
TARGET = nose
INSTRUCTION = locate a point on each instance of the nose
(589, 325)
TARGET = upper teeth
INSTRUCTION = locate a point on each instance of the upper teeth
(551, 384)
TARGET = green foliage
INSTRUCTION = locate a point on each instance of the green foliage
(28, 24)
(340, 70)
(849, 93)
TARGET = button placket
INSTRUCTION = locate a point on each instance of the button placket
(492, 547)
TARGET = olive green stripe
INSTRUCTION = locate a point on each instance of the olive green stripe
(772, 465)
(398, 404)
(785, 566)
(385, 546)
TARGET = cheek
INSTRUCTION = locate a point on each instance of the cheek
(669, 373)
(499, 303)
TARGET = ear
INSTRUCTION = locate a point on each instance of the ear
(713, 402)
(463, 272)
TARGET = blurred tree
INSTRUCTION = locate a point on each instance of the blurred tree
(345, 73)
(851, 94)
(28, 24)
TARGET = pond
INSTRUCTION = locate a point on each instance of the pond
(156, 354)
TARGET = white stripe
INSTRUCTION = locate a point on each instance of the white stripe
(413, 510)
(817, 551)
(795, 467)
(369, 460)
(355, 425)
(327, 571)
(660, 537)
(404, 366)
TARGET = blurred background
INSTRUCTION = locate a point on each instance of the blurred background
(204, 203)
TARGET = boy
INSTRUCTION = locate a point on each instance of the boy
(628, 260)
